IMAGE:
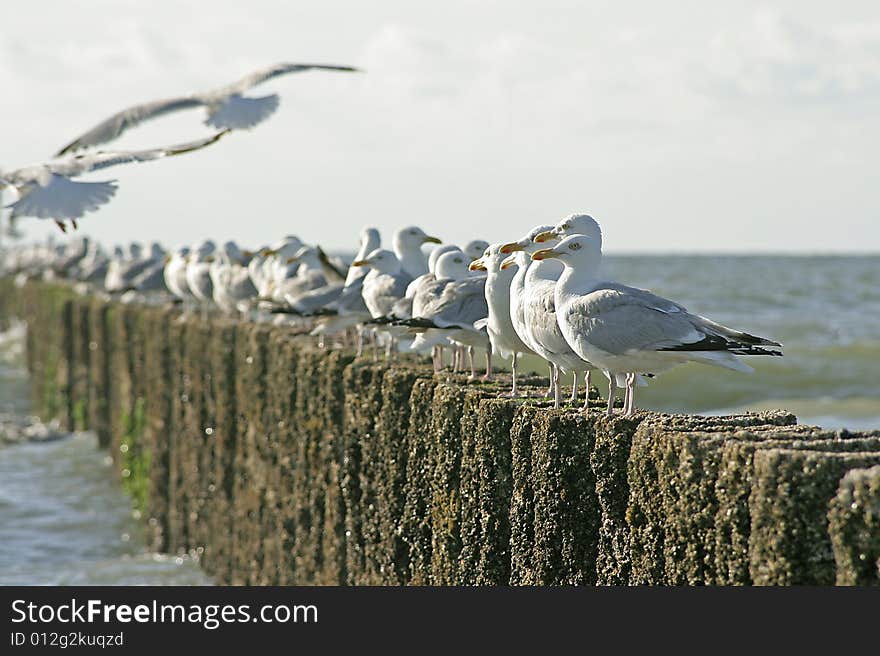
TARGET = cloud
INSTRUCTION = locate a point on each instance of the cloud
(779, 60)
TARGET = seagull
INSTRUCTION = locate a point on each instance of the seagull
(175, 274)
(124, 271)
(310, 275)
(623, 330)
(531, 314)
(384, 285)
(450, 306)
(49, 191)
(475, 248)
(407, 244)
(198, 272)
(413, 301)
(349, 309)
(370, 240)
(227, 107)
(231, 286)
(504, 339)
(277, 267)
(93, 267)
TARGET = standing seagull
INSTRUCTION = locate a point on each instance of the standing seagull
(407, 244)
(383, 286)
(48, 191)
(502, 335)
(623, 330)
(227, 107)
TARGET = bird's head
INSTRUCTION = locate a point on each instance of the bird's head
(413, 237)
(490, 260)
(572, 250)
(573, 224)
(452, 265)
(475, 248)
(381, 260)
(527, 243)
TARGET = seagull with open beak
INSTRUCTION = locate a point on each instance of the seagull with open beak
(535, 296)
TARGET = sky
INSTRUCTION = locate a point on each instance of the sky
(685, 126)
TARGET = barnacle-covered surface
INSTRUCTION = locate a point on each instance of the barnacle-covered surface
(275, 462)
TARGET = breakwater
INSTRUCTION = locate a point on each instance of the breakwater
(278, 463)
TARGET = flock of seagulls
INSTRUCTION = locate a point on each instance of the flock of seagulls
(542, 295)
(49, 190)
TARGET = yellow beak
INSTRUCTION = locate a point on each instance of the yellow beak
(541, 237)
(210, 258)
(477, 265)
(360, 263)
(290, 260)
(432, 240)
(512, 247)
(266, 252)
(508, 262)
(545, 254)
(247, 253)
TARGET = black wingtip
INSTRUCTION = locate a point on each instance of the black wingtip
(321, 312)
(67, 150)
(738, 347)
(285, 310)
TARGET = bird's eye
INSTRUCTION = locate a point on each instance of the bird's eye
(574, 246)
(413, 232)
(566, 226)
(458, 260)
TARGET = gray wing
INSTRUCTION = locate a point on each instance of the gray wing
(461, 304)
(114, 126)
(150, 280)
(540, 316)
(238, 112)
(403, 308)
(229, 109)
(80, 164)
(292, 288)
(351, 300)
(615, 321)
(241, 287)
(317, 299)
(265, 74)
(383, 291)
(61, 198)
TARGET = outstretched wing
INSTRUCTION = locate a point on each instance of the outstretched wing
(114, 126)
(276, 70)
(104, 159)
(242, 113)
(61, 198)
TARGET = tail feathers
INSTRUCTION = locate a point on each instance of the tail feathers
(419, 322)
(736, 335)
(722, 359)
(381, 321)
(284, 310)
(746, 346)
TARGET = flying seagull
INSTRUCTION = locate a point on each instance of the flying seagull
(227, 107)
(48, 191)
